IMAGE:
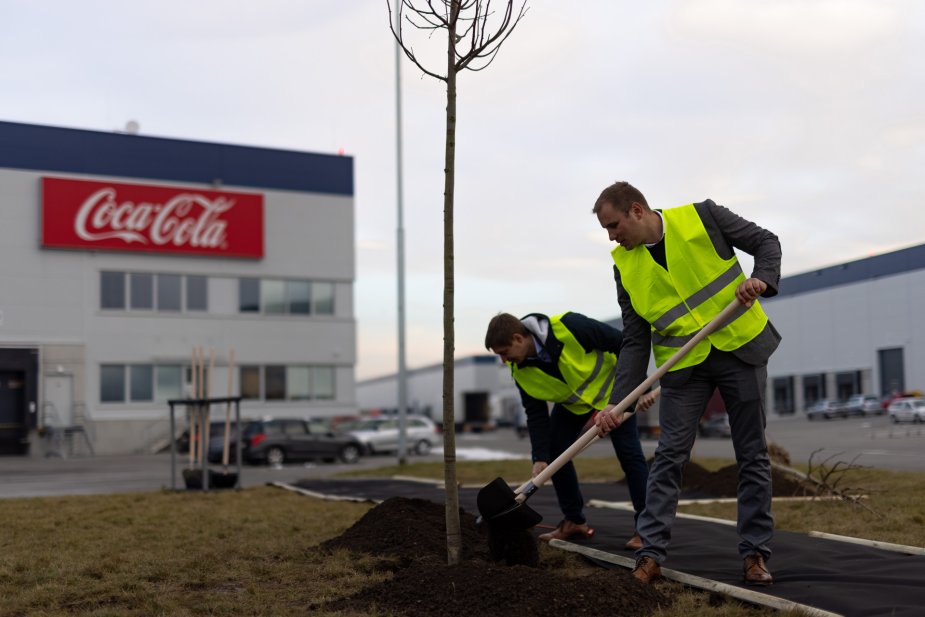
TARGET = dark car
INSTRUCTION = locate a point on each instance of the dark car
(274, 441)
(716, 425)
(216, 428)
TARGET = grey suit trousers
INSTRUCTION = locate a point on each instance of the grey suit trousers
(742, 387)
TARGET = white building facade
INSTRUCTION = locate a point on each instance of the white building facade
(120, 253)
(851, 328)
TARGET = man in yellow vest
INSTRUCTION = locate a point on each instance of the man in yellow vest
(569, 360)
(675, 270)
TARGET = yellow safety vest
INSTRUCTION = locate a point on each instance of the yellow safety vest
(696, 287)
(588, 376)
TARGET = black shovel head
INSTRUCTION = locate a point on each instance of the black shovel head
(499, 508)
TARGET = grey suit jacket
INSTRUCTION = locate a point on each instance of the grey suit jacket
(727, 230)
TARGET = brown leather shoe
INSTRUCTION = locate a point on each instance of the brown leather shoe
(566, 530)
(756, 572)
(646, 570)
(634, 543)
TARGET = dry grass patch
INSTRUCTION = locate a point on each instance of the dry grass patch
(221, 553)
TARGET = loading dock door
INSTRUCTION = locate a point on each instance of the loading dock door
(12, 411)
(892, 371)
(477, 411)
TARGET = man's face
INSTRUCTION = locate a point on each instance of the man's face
(520, 348)
(624, 228)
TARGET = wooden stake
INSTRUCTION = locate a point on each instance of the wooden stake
(194, 394)
(228, 410)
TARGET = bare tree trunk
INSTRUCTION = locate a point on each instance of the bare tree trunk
(453, 530)
(480, 42)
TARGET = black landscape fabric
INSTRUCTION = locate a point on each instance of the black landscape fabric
(850, 579)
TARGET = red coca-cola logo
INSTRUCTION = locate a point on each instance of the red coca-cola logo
(136, 217)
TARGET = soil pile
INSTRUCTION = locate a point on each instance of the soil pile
(409, 534)
(724, 482)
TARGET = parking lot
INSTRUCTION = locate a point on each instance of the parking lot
(871, 441)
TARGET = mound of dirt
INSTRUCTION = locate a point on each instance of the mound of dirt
(410, 535)
(724, 482)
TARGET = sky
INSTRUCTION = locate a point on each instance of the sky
(804, 116)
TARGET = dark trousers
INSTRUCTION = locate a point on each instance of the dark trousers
(742, 387)
(565, 428)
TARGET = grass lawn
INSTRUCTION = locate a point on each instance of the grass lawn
(252, 552)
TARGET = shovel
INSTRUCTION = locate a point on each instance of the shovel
(505, 510)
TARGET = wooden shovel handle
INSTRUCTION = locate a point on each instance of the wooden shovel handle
(726, 315)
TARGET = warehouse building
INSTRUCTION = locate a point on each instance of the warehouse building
(120, 253)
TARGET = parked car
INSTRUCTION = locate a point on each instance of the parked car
(716, 425)
(275, 441)
(216, 427)
(910, 409)
(826, 408)
(380, 435)
(863, 405)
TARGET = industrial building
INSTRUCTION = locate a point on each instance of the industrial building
(120, 253)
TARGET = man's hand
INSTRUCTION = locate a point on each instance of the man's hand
(749, 290)
(646, 401)
(537, 468)
(607, 421)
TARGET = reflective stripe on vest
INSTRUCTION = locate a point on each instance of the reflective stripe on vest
(696, 287)
(588, 377)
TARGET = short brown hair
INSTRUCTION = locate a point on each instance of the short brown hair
(501, 330)
(620, 195)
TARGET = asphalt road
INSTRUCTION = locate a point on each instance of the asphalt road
(869, 441)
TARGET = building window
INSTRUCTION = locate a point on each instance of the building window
(144, 295)
(285, 297)
(273, 296)
(288, 382)
(300, 297)
(250, 382)
(142, 383)
(249, 295)
(275, 383)
(112, 383)
(168, 292)
(298, 383)
(324, 298)
(196, 295)
(112, 290)
(323, 386)
(168, 382)
(141, 291)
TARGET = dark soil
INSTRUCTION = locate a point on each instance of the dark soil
(409, 535)
(723, 482)
(409, 538)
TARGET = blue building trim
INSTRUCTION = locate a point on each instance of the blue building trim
(45, 148)
(870, 268)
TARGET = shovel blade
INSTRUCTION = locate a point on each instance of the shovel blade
(499, 508)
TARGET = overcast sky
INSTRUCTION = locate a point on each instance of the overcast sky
(805, 116)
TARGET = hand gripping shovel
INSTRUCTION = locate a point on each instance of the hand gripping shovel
(506, 510)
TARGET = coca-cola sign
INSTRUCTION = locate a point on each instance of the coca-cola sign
(141, 217)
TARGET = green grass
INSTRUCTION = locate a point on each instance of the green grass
(253, 552)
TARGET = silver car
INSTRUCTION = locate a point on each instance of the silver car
(910, 409)
(380, 435)
(827, 409)
(863, 405)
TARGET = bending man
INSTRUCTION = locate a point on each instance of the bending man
(569, 360)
